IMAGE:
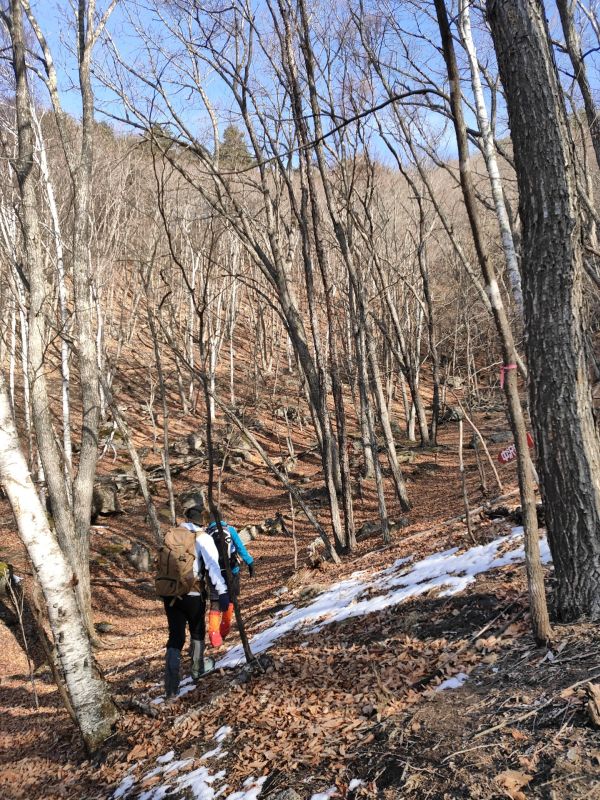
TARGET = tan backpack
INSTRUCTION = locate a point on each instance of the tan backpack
(175, 564)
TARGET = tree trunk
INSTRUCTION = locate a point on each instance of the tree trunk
(90, 700)
(38, 298)
(87, 353)
(535, 574)
(489, 155)
(573, 44)
(561, 403)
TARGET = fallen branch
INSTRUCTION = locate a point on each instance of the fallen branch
(461, 517)
(280, 476)
(593, 705)
(108, 581)
(131, 704)
(135, 662)
(522, 717)
(482, 440)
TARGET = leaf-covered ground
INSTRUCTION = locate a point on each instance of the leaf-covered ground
(347, 709)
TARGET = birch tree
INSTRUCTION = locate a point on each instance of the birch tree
(94, 711)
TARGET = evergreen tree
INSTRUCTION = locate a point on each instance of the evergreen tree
(234, 153)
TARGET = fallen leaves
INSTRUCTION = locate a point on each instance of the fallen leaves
(512, 781)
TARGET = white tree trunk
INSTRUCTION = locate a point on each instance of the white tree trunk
(93, 707)
(62, 293)
(489, 154)
(12, 352)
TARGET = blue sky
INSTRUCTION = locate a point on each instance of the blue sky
(54, 17)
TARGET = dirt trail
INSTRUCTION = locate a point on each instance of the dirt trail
(355, 701)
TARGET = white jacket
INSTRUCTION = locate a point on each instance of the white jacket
(207, 555)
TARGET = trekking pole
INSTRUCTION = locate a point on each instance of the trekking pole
(223, 555)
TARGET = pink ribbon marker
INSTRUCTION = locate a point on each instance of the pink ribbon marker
(503, 370)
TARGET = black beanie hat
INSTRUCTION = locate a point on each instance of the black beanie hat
(194, 513)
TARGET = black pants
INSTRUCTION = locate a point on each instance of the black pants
(186, 610)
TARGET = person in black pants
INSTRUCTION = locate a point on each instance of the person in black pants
(189, 610)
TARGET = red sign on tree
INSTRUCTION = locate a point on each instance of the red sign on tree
(510, 453)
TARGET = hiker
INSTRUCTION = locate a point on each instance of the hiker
(219, 620)
(188, 553)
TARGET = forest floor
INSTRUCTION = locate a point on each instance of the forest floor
(351, 699)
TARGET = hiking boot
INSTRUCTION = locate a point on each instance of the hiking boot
(172, 664)
(197, 658)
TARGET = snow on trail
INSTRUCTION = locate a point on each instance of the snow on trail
(361, 593)
(364, 593)
(199, 782)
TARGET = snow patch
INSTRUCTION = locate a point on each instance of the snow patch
(452, 683)
(354, 784)
(449, 572)
(124, 787)
(326, 794)
(223, 731)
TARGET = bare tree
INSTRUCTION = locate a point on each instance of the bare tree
(537, 597)
(561, 406)
(92, 706)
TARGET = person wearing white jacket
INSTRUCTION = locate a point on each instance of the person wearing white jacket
(190, 609)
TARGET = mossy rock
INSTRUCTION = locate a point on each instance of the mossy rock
(113, 548)
(103, 627)
(5, 576)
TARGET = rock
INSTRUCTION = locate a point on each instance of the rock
(430, 466)
(139, 557)
(5, 577)
(249, 533)
(455, 382)
(103, 627)
(105, 501)
(164, 515)
(195, 442)
(405, 457)
(261, 664)
(316, 554)
(317, 495)
(498, 513)
(312, 590)
(244, 534)
(396, 428)
(114, 548)
(450, 414)
(276, 526)
(368, 529)
(179, 447)
(286, 794)
(500, 437)
(192, 497)
(356, 446)
(286, 412)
